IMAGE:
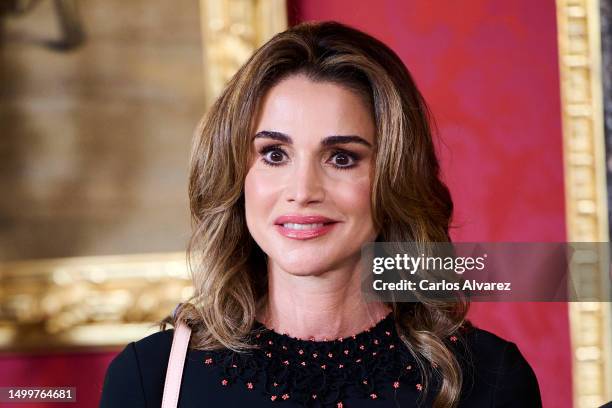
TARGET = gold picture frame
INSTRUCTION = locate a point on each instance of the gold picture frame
(579, 34)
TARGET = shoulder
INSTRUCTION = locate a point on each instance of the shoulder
(147, 353)
(136, 375)
(498, 366)
(155, 344)
(485, 343)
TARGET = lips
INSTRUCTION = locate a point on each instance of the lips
(302, 227)
(302, 219)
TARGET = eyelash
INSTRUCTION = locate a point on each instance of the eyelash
(355, 157)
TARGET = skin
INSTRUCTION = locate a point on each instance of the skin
(314, 284)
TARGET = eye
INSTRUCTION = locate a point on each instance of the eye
(344, 160)
(272, 155)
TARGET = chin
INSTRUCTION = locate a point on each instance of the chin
(308, 262)
(302, 264)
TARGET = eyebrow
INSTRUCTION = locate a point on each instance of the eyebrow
(327, 141)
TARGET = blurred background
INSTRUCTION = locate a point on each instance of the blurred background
(99, 100)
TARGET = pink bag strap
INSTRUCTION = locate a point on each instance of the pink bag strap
(178, 351)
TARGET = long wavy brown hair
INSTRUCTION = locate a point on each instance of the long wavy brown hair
(409, 201)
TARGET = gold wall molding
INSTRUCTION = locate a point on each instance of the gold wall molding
(88, 301)
(231, 31)
(585, 186)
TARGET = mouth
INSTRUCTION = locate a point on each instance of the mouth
(304, 227)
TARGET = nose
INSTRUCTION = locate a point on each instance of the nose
(305, 185)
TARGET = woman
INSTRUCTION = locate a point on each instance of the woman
(320, 144)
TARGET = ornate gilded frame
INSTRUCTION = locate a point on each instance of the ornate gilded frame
(107, 301)
(585, 185)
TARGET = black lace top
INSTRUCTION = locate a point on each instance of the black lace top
(371, 369)
(370, 365)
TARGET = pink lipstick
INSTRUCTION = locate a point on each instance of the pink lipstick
(304, 226)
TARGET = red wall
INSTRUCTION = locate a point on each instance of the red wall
(488, 68)
(83, 370)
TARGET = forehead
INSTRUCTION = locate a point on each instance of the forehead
(299, 106)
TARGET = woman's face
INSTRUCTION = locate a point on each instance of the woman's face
(307, 191)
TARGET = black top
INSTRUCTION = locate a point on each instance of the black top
(371, 369)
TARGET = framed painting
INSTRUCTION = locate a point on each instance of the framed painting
(96, 141)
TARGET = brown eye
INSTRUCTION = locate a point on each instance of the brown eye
(272, 155)
(344, 160)
(275, 156)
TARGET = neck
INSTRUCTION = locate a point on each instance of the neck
(326, 306)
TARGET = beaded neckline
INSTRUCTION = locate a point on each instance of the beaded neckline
(385, 321)
(372, 364)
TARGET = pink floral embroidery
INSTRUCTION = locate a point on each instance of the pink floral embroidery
(284, 356)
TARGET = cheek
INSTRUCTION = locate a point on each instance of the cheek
(259, 193)
(354, 197)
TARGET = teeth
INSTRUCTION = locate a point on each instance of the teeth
(302, 226)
